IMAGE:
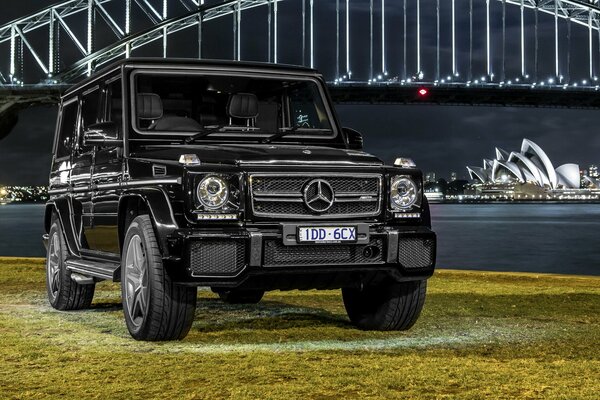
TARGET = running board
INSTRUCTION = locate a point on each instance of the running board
(102, 270)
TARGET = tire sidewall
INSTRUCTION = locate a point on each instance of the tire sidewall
(56, 228)
(135, 228)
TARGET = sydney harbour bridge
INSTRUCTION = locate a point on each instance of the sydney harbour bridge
(473, 52)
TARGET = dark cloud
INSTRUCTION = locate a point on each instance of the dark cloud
(444, 139)
(25, 154)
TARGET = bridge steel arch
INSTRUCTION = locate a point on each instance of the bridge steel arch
(61, 23)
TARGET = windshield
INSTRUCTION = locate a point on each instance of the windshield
(208, 105)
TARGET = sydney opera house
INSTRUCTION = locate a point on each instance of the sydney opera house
(529, 171)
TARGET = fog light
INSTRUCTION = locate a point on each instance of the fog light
(407, 215)
(215, 217)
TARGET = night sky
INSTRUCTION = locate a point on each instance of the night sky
(440, 139)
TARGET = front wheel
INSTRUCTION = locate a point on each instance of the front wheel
(155, 308)
(390, 306)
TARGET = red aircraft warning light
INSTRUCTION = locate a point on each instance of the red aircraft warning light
(423, 92)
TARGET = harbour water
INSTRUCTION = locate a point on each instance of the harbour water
(557, 238)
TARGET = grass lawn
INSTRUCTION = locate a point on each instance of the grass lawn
(481, 335)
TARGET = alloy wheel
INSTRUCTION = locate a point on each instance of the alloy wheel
(53, 265)
(136, 281)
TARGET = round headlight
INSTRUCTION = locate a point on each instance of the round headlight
(403, 192)
(213, 192)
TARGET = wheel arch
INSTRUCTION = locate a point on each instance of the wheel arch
(152, 201)
(426, 213)
(61, 207)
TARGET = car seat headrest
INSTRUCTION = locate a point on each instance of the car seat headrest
(243, 105)
(149, 106)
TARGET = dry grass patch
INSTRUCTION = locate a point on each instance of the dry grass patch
(481, 335)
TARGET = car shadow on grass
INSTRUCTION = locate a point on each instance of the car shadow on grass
(214, 315)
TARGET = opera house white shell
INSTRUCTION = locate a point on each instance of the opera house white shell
(529, 165)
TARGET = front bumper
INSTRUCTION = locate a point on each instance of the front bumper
(273, 259)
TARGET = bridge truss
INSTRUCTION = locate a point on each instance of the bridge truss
(446, 43)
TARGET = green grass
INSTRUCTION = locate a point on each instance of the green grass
(481, 335)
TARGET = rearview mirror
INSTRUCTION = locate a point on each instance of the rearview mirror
(104, 134)
(355, 139)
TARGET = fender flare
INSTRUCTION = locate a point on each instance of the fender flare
(62, 207)
(426, 213)
(157, 203)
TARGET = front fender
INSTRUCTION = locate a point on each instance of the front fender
(156, 202)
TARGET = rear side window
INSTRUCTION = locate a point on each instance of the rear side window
(68, 124)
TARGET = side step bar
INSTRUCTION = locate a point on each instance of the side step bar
(101, 270)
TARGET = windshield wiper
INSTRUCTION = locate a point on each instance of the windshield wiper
(280, 134)
(203, 133)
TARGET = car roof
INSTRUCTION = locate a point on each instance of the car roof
(141, 62)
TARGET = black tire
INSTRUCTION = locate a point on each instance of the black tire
(63, 292)
(392, 306)
(168, 311)
(241, 296)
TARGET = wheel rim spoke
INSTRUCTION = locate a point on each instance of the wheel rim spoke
(53, 265)
(135, 281)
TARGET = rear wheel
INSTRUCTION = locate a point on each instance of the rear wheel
(155, 308)
(63, 292)
(390, 306)
(241, 296)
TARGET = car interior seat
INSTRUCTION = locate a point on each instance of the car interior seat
(150, 108)
(242, 109)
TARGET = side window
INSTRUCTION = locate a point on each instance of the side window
(89, 108)
(89, 112)
(115, 103)
(68, 124)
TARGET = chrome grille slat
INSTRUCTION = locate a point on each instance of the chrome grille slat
(281, 196)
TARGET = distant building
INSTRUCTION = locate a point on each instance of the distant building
(453, 176)
(530, 174)
(593, 172)
(430, 177)
(530, 165)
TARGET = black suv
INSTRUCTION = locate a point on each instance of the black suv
(172, 174)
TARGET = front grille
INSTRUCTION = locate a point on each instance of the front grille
(217, 257)
(416, 252)
(282, 196)
(276, 254)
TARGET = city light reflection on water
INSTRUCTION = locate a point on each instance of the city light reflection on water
(557, 238)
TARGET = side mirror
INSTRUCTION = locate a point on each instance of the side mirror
(104, 134)
(355, 139)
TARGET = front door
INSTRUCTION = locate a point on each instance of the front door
(107, 175)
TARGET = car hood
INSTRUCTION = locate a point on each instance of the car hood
(259, 154)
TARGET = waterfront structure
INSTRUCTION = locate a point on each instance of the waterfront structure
(531, 165)
(352, 42)
(530, 174)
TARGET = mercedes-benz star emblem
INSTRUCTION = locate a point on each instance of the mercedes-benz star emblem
(318, 195)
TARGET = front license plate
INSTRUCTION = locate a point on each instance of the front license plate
(326, 234)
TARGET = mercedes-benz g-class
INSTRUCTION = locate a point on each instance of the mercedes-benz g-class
(172, 174)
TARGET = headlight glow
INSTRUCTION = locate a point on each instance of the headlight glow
(213, 192)
(403, 192)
